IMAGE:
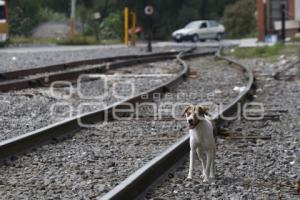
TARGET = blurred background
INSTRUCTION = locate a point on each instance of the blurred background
(101, 21)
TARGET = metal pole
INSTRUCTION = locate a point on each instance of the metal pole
(149, 47)
(72, 16)
(126, 26)
(283, 22)
(265, 18)
(133, 28)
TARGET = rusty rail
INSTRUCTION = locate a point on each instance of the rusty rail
(136, 185)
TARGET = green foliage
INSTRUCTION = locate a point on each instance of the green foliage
(239, 19)
(295, 38)
(24, 15)
(78, 40)
(86, 40)
(83, 14)
(259, 52)
(110, 27)
(168, 16)
(15, 40)
(49, 15)
(59, 6)
(189, 12)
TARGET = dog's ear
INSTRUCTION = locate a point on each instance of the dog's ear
(205, 110)
(202, 110)
(185, 110)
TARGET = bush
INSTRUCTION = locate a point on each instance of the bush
(49, 15)
(24, 15)
(112, 26)
(85, 40)
(240, 20)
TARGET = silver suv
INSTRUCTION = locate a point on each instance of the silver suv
(199, 30)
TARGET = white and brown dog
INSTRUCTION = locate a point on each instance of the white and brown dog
(202, 141)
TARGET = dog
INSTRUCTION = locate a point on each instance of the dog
(202, 141)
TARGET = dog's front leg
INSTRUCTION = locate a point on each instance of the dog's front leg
(192, 157)
(213, 167)
(202, 160)
(208, 166)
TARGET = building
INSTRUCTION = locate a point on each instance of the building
(269, 14)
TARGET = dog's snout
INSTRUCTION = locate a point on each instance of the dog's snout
(190, 121)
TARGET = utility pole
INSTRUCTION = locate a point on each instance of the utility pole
(149, 12)
(133, 29)
(72, 16)
(265, 18)
(283, 22)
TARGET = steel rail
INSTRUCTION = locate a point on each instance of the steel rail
(44, 76)
(136, 185)
(280, 74)
(38, 137)
(4, 76)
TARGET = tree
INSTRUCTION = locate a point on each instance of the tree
(58, 6)
(24, 15)
(239, 19)
(111, 25)
(102, 8)
(168, 16)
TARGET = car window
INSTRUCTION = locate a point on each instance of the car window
(203, 25)
(192, 25)
(213, 23)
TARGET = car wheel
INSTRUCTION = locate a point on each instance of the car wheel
(219, 36)
(202, 40)
(195, 38)
(178, 38)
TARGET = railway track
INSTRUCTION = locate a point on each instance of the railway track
(136, 184)
(29, 140)
(45, 75)
(285, 74)
(256, 158)
(27, 110)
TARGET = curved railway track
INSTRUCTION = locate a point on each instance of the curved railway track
(29, 140)
(45, 75)
(139, 182)
(27, 110)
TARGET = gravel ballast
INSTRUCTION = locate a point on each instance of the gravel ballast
(27, 110)
(97, 159)
(18, 60)
(251, 168)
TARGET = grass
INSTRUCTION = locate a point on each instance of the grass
(270, 53)
(87, 40)
(78, 40)
(17, 40)
(259, 52)
(295, 39)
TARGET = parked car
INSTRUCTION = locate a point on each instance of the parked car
(199, 30)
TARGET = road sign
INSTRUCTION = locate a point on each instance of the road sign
(149, 10)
